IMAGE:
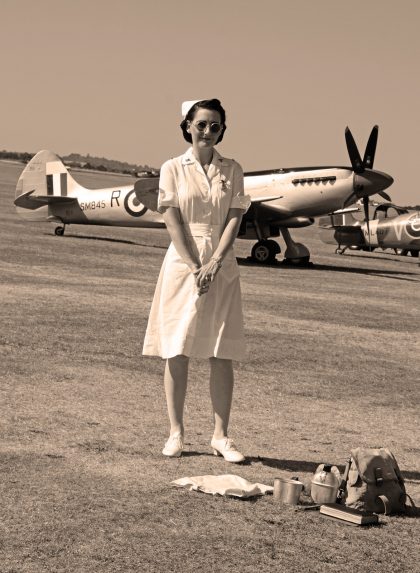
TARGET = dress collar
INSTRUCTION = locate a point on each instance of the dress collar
(189, 158)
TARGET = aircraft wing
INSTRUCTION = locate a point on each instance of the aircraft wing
(146, 190)
(344, 211)
(265, 211)
(265, 199)
(265, 207)
(29, 201)
(343, 228)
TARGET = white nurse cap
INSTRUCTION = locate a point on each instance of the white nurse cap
(187, 105)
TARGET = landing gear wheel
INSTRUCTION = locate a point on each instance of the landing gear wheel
(265, 251)
(59, 231)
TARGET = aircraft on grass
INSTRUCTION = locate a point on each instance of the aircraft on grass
(282, 199)
(391, 227)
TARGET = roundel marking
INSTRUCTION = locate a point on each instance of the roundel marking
(413, 226)
(133, 206)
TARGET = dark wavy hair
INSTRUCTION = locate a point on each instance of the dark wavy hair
(213, 104)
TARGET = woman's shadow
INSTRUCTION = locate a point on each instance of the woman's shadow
(285, 465)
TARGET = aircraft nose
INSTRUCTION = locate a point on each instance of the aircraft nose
(371, 182)
(385, 180)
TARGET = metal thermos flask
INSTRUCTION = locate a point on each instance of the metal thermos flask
(325, 484)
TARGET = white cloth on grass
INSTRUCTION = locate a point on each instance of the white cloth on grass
(229, 484)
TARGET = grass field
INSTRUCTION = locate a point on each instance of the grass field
(333, 364)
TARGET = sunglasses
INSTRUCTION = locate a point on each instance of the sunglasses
(213, 126)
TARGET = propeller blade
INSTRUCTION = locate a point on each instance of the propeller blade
(366, 210)
(356, 160)
(385, 196)
(369, 156)
(349, 201)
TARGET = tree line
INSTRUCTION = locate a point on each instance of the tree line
(87, 162)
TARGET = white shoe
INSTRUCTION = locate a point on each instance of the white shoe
(226, 448)
(174, 446)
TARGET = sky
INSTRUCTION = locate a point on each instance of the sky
(108, 77)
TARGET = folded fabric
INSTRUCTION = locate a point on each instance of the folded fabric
(223, 485)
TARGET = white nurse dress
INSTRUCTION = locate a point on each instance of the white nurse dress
(180, 321)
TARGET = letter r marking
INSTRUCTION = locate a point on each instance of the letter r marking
(115, 195)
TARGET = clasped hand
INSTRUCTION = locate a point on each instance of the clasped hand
(205, 275)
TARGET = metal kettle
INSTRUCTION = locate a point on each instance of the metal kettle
(325, 484)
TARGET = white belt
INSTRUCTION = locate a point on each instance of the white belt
(202, 230)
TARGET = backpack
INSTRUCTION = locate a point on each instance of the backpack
(375, 482)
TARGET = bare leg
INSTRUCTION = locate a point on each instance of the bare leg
(221, 390)
(175, 381)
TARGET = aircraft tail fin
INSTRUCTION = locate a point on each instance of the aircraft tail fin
(44, 180)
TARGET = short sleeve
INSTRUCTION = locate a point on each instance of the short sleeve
(239, 199)
(168, 195)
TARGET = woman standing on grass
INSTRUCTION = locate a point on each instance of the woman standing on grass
(196, 310)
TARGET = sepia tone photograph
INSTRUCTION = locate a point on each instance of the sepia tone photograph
(209, 281)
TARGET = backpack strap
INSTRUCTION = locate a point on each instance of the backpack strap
(386, 503)
(406, 496)
(379, 476)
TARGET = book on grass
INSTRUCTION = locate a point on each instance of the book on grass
(348, 514)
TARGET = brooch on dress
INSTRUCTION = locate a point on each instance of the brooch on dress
(226, 185)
